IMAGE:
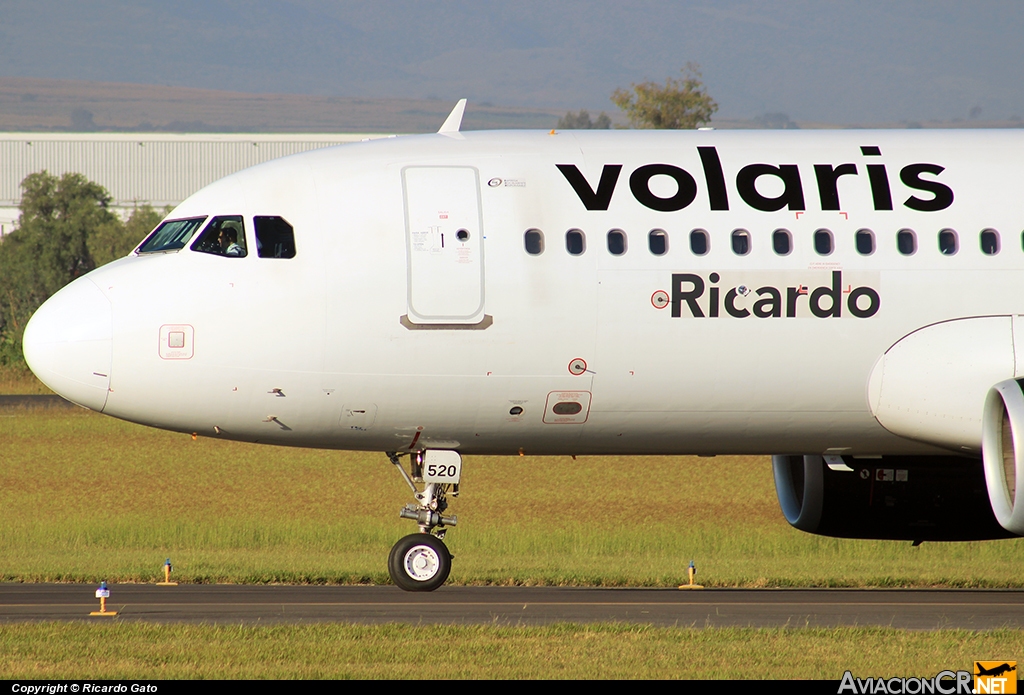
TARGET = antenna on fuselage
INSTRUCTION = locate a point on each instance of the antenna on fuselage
(454, 120)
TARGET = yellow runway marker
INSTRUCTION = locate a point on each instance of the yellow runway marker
(103, 593)
(692, 571)
(167, 575)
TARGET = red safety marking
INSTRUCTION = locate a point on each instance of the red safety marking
(660, 299)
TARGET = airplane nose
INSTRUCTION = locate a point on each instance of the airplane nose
(67, 343)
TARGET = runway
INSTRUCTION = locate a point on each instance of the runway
(793, 608)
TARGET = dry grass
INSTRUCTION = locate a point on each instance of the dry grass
(140, 651)
(16, 381)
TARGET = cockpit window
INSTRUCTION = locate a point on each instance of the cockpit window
(224, 236)
(172, 235)
(275, 238)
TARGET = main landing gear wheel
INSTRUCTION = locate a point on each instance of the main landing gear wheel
(420, 562)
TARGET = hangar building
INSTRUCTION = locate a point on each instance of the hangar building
(138, 168)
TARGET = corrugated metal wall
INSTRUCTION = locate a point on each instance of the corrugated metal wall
(136, 169)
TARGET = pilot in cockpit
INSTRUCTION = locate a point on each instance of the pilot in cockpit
(229, 242)
(222, 237)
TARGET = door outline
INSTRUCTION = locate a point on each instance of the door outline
(414, 317)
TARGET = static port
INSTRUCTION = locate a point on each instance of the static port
(566, 408)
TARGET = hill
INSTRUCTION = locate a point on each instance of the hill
(34, 104)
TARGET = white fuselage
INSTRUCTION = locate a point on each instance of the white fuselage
(388, 332)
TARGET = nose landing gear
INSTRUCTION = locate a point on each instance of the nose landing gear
(421, 561)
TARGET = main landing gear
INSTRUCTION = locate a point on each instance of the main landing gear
(421, 561)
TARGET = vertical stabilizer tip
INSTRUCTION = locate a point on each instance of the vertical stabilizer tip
(454, 120)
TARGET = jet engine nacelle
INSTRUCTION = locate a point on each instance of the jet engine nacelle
(931, 385)
(1002, 448)
(914, 498)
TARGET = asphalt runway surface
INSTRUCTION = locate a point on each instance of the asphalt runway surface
(794, 608)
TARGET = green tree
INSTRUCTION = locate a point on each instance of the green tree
(109, 242)
(49, 248)
(581, 121)
(683, 103)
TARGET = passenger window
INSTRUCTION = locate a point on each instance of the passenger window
(989, 242)
(823, 242)
(575, 242)
(172, 235)
(740, 242)
(700, 243)
(534, 242)
(657, 242)
(224, 236)
(865, 242)
(948, 242)
(906, 242)
(782, 242)
(275, 238)
(616, 242)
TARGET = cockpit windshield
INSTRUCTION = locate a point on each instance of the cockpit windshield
(171, 235)
(224, 236)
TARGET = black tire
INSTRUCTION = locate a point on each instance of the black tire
(420, 562)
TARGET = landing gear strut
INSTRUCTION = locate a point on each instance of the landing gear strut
(421, 561)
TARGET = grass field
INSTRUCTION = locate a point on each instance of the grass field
(141, 651)
(87, 497)
(20, 381)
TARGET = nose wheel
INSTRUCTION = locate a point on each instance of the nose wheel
(420, 562)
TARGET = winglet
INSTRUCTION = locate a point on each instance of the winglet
(454, 120)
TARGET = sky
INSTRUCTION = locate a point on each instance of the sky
(852, 62)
